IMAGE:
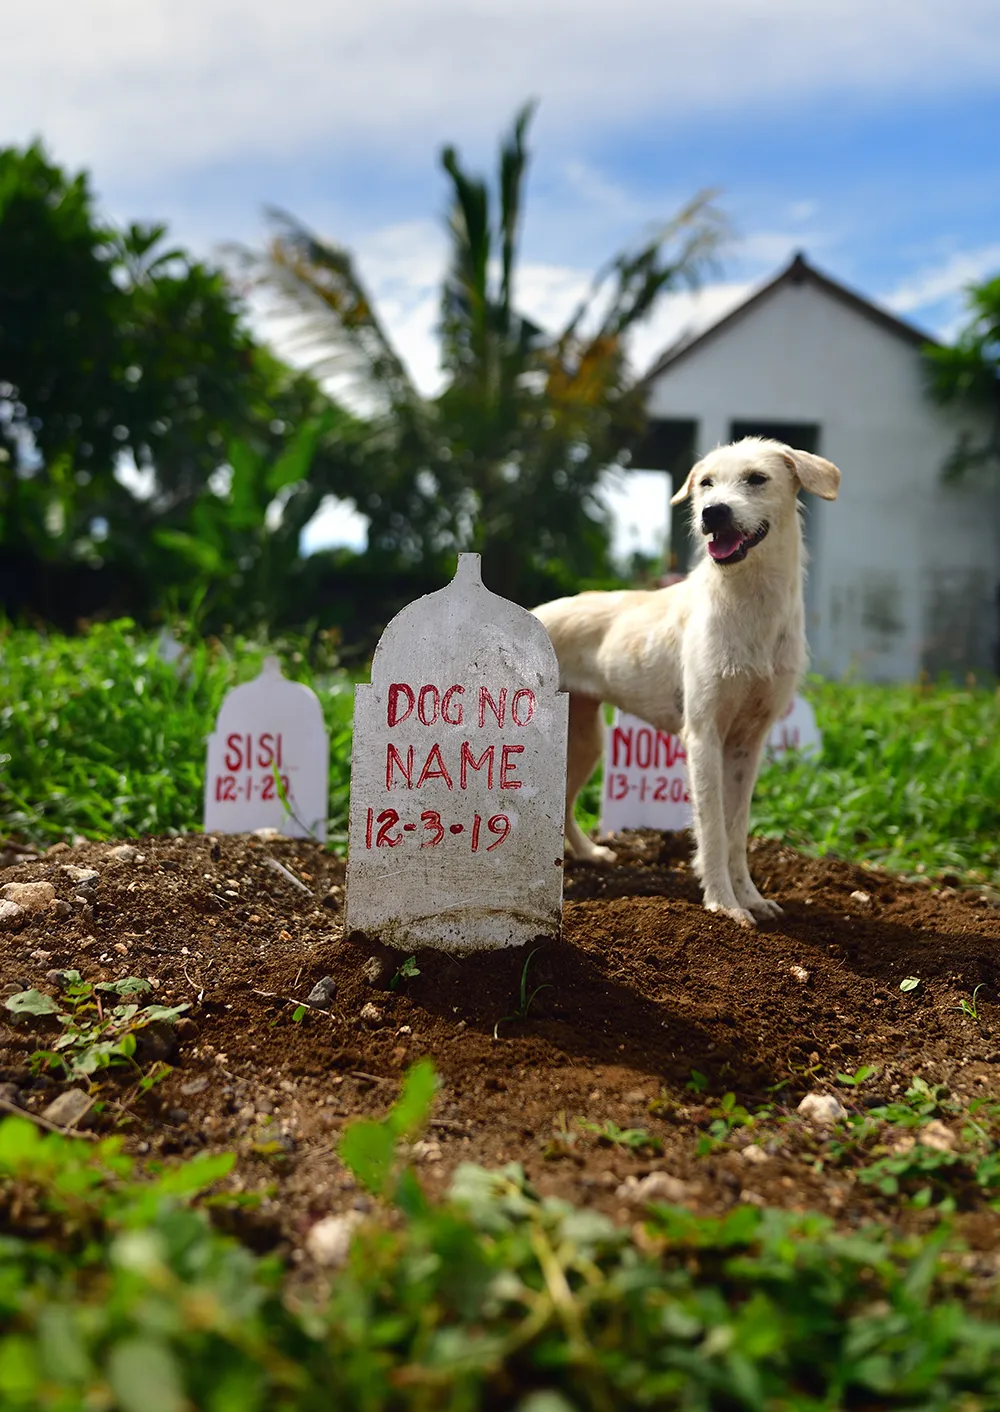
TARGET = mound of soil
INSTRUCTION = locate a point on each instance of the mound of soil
(642, 989)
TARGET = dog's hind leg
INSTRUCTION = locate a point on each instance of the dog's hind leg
(586, 743)
(740, 766)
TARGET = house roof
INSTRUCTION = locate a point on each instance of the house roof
(797, 273)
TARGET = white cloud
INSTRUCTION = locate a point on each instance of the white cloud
(173, 84)
(936, 283)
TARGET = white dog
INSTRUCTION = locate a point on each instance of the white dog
(715, 658)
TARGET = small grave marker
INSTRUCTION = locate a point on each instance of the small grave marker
(645, 770)
(458, 777)
(269, 730)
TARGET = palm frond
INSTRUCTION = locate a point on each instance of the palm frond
(335, 325)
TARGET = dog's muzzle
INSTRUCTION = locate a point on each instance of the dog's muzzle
(728, 544)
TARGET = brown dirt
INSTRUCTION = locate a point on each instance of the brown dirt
(643, 988)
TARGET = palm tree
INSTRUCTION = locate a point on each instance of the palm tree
(509, 457)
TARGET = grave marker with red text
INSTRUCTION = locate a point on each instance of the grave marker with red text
(269, 740)
(645, 770)
(458, 776)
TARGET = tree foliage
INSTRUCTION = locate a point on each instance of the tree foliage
(119, 349)
(508, 459)
(967, 373)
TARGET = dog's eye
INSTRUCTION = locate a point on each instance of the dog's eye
(755, 478)
(706, 483)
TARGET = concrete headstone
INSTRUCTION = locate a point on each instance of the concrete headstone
(645, 770)
(458, 778)
(269, 730)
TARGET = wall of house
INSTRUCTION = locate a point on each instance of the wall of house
(905, 570)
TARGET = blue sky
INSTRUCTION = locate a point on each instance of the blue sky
(866, 134)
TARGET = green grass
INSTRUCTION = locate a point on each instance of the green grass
(116, 1292)
(106, 739)
(101, 737)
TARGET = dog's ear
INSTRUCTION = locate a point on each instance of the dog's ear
(815, 474)
(687, 487)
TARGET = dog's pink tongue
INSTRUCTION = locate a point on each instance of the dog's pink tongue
(724, 543)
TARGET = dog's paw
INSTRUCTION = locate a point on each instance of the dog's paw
(600, 855)
(742, 915)
(765, 910)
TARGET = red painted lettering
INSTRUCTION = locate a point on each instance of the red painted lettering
(508, 766)
(431, 693)
(621, 746)
(455, 720)
(392, 758)
(644, 748)
(468, 762)
(265, 750)
(440, 770)
(499, 709)
(525, 700)
(399, 689)
(234, 755)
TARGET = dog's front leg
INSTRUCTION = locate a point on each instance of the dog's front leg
(740, 767)
(711, 863)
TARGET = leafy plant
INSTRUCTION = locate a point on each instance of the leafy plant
(969, 1007)
(725, 1119)
(370, 1149)
(860, 1076)
(909, 983)
(406, 971)
(525, 1001)
(611, 1135)
(92, 1038)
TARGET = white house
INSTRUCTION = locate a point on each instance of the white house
(905, 569)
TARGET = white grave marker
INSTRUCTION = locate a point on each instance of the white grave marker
(645, 770)
(458, 778)
(269, 725)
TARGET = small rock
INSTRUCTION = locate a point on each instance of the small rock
(635, 1096)
(371, 1015)
(822, 1109)
(60, 978)
(799, 973)
(31, 896)
(408, 1029)
(60, 908)
(462, 1025)
(861, 898)
(156, 1043)
(185, 1028)
(323, 994)
(754, 1155)
(124, 853)
(658, 1186)
(426, 1150)
(61, 847)
(937, 1136)
(177, 1116)
(329, 1241)
(267, 835)
(41, 955)
(11, 915)
(197, 1085)
(81, 878)
(67, 1110)
(334, 898)
(377, 972)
